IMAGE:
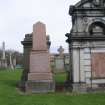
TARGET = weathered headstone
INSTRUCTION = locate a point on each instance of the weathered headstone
(59, 60)
(59, 63)
(39, 77)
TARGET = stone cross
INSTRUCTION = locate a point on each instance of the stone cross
(60, 50)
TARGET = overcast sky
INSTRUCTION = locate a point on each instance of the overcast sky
(18, 16)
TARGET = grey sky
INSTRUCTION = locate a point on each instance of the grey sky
(18, 16)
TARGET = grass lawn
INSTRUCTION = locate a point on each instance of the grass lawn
(60, 77)
(10, 95)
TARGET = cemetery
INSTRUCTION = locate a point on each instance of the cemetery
(10, 59)
(39, 77)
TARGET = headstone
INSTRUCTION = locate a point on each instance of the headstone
(59, 64)
(59, 60)
(39, 77)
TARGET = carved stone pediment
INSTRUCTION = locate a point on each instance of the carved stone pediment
(96, 2)
(87, 5)
(90, 3)
(88, 20)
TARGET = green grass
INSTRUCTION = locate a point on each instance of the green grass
(60, 77)
(10, 95)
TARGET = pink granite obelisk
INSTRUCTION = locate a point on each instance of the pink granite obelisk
(40, 78)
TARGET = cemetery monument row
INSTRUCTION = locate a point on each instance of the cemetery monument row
(37, 75)
(87, 45)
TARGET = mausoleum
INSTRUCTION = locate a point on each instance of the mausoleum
(87, 45)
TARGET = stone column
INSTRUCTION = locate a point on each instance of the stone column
(27, 43)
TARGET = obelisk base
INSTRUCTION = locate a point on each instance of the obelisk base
(43, 86)
(40, 78)
(39, 83)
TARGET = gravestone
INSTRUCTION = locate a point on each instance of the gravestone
(38, 77)
(59, 60)
(60, 63)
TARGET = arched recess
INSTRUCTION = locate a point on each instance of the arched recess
(96, 26)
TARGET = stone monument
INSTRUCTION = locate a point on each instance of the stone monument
(87, 45)
(39, 77)
(10, 61)
(14, 62)
(59, 60)
(3, 59)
